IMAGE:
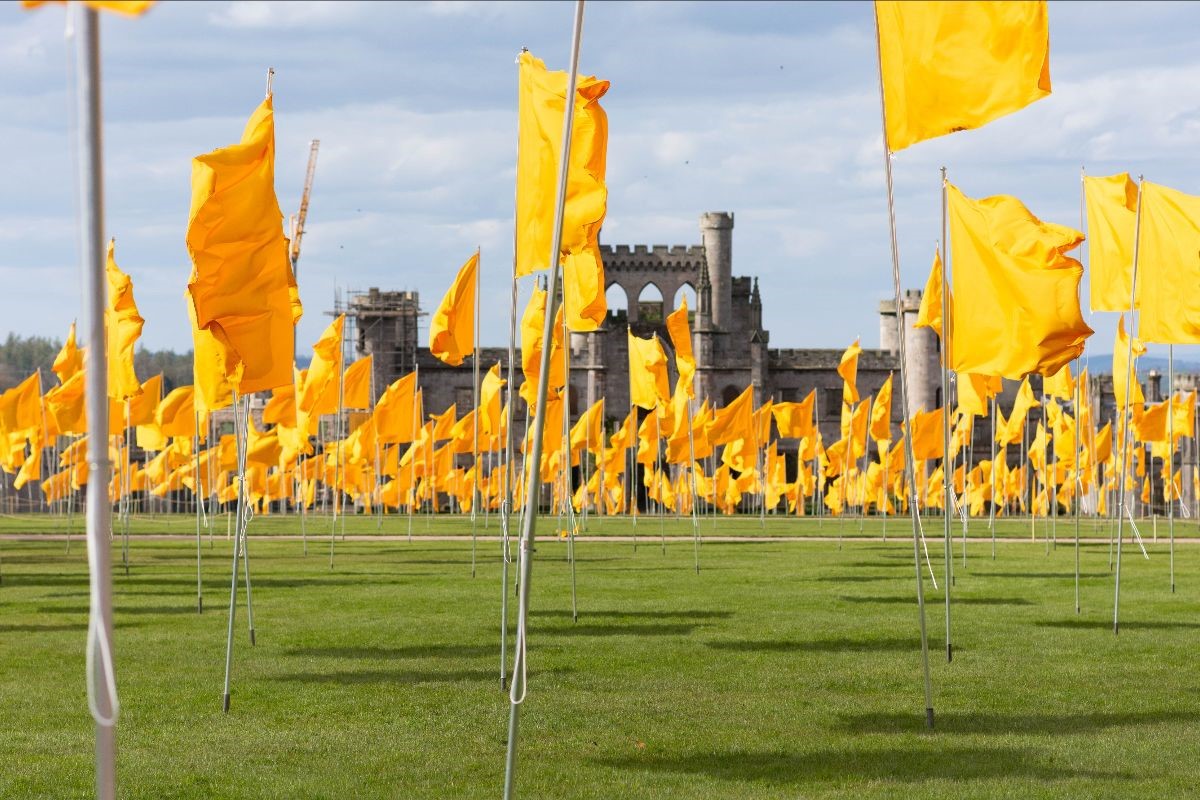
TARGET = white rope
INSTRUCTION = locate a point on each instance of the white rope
(98, 638)
(519, 661)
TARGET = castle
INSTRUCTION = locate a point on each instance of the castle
(729, 341)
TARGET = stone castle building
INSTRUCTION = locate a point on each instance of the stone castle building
(731, 345)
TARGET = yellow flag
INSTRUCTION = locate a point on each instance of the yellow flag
(395, 418)
(319, 394)
(122, 327)
(1111, 213)
(881, 413)
(1015, 294)
(795, 420)
(648, 383)
(66, 406)
(452, 329)
(213, 390)
(1152, 426)
(1183, 413)
(489, 402)
(848, 369)
(1060, 384)
(734, 421)
(949, 67)
(1121, 369)
(929, 315)
(281, 408)
(927, 436)
(142, 407)
(541, 105)
(69, 359)
(129, 8)
(241, 284)
(176, 414)
(974, 391)
(681, 340)
(356, 384)
(1169, 266)
(533, 323)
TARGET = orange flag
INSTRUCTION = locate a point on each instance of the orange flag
(452, 329)
(122, 327)
(356, 384)
(395, 418)
(681, 340)
(241, 286)
(848, 369)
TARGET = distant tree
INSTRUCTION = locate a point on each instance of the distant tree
(22, 355)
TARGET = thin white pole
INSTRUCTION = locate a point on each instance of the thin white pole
(101, 675)
(517, 695)
(1130, 376)
(908, 451)
(947, 461)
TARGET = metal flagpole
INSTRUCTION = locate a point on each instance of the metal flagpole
(947, 462)
(475, 417)
(196, 448)
(240, 440)
(992, 510)
(1130, 376)
(101, 676)
(1171, 455)
(517, 695)
(412, 461)
(909, 462)
(695, 491)
(337, 455)
(1078, 494)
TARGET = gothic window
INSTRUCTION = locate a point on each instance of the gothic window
(650, 304)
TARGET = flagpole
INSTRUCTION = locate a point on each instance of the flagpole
(692, 472)
(475, 416)
(1078, 493)
(1171, 455)
(947, 462)
(908, 451)
(337, 453)
(196, 448)
(1130, 376)
(517, 696)
(101, 677)
(992, 510)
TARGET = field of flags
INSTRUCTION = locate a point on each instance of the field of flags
(1003, 296)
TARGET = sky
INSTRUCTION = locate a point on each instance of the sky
(767, 110)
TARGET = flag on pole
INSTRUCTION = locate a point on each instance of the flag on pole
(540, 110)
(241, 286)
(1169, 266)
(356, 384)
(1111, 204)
(681, 340)
(848, 369)
(929, 314)
(950, 67)
(1015, 296)
(69, 359)
(122, 328)
(452, 329)
(648, 382)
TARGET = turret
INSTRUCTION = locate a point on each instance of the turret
(716, 228)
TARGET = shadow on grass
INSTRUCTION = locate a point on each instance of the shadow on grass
(912, 599)
(55, 628)
(1106, 625)
(400, 676)
(1063, 575)
(634, 629)
(1007, 724)
(388, 653)
(819, 645)
(685, 614)
(890, 765)
(854, 578)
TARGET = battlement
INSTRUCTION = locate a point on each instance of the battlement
(800, 358)
(657, 257)
(910, 300)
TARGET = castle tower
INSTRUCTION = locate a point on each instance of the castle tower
(716, 228)
(923, 351)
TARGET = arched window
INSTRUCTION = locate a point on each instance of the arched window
(730, 393)
(618, 300)
(687, 291)
(650, 304)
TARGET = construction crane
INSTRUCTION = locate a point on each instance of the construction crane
(297, 220)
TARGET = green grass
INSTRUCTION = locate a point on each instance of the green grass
(317, 525)
(781, 670)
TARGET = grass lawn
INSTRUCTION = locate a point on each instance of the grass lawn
(781, 670)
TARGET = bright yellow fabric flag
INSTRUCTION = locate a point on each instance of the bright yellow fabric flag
(927, 440)
(69, 359)
(648, 383)
(859, 424)
(681, 340)
(848, 369)
(489, 402)
(122, 327)
(929, 315)
(974, 391)
(1152, 426)
(356, 384)
(881, 413)
(142, 407)
(241, 285)
(319, 395)
(128, 8)
(395, 418)
(213, 390)
(533, 323)
(1121, 368)
(1015, 294)
(1183, 413)
(795, 420)
(540, 110)
(452, 329)
(949, 67)
(1169, 266)
(1060, 385)
(1111, 213)
(66, 405)
(734, 421)
(281, 408)
(176, 414)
